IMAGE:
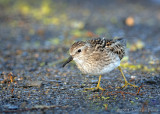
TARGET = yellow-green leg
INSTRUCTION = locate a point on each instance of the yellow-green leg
(98, 86)
(126, 82)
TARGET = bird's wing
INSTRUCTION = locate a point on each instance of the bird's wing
(97, 43)
(117, 46)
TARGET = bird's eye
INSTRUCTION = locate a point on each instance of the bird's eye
(79, 50)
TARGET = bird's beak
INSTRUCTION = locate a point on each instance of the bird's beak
(68, 60)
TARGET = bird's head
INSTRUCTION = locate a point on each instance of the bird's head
(78, 52)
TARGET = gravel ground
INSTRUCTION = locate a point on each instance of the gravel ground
(34, 42)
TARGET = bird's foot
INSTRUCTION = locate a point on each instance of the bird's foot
(126, 84)
(98, 86)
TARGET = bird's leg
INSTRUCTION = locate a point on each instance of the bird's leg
(98, 86)
(126, 82)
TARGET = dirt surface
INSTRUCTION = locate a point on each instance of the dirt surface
(34, 40)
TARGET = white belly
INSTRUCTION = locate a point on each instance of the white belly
(108, 68)
(95, 69)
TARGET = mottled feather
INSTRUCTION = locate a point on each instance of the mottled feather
(116, 46)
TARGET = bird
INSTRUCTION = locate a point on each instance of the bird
(98, 56)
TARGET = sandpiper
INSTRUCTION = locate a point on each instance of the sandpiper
(98, 56)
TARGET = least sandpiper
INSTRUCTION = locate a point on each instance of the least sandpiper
(98, 56)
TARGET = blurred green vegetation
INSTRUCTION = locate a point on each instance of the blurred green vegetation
(42, 10)
(57, 14)
(50, 12)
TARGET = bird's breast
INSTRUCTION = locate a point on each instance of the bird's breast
(96, 68)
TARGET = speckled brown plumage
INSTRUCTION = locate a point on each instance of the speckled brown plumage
(114, 45)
